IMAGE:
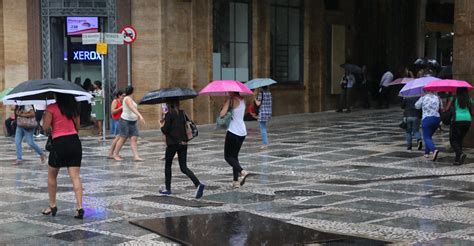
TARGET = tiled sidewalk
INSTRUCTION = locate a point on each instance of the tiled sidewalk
(340, 173)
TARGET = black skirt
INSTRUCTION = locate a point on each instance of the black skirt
(67, 152)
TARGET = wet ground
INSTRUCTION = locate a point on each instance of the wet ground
(344, 174)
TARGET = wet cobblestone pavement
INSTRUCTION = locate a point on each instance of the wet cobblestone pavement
(340, 173)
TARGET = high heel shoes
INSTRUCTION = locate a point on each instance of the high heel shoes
(51, 211)
(79, 214)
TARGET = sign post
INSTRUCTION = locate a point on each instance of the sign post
(129, 35)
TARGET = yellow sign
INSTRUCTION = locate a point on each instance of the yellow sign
(102, 48)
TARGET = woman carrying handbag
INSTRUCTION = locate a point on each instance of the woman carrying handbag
(26, 125)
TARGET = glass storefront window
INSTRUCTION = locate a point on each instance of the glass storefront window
(286, 41)
(231, 52)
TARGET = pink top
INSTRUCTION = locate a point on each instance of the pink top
(61, 125)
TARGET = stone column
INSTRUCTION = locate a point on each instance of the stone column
(463, 65)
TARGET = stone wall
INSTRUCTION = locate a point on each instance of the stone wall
(463, 65)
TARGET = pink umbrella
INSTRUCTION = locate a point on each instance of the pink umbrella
(222, 87)
(447, 85)
(401, 81)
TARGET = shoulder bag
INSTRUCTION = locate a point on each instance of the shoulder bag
(27, 123)
(190, 127)
(224, 122)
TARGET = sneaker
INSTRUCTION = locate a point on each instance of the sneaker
(435, 155)
(164, 192)
(420, 145)
(244, 176)
(235, 184)
(456, 163)
(409, 148)
(339, 111)
(17, 162)
(200, 191)
(462, 159)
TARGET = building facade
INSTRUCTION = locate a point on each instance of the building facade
(188, 43)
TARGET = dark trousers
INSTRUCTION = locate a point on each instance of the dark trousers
(39, 116)
(457, 133)
(182, 151)
(232, 146)
(344, 99)
(384, 97)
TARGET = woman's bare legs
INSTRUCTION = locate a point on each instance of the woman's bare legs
(118, 147)
(113, 146)
(133, 144)
(74, 174)
(52, 185)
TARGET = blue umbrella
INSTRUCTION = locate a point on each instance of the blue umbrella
(259, 82)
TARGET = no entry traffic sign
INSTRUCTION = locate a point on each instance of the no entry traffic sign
(129, 34)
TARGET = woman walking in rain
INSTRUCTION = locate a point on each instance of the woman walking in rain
(412, 116)
(116, 109)
(128, 126)
(460, 123)
(173, 126)
(235, 136)
(63, 119)
(429, 105)
(27, 113)
(264, 102)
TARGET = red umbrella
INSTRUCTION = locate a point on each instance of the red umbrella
(446, 85)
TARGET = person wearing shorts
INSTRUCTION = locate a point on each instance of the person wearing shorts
(128, 126)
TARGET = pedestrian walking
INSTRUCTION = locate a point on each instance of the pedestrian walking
(264, 104)
(384, 91)
(173, 127)
(412, 117)
(235, 136)
(429, 105)
(128, 126)
(115, 120)
(61, 120)
(346, 83)
(26, 125)
(461, 122)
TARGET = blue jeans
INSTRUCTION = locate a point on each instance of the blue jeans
(28, 134)
(413, 130)
(429, 125)
(263, 131)
(114, 127)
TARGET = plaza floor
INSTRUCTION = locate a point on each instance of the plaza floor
(347, 174)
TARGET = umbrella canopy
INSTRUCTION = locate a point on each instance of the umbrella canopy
(166, 94)
(43, 90)
(5, 92)
(260, 82)
(446, 85)
(401, 81)
(352, 68)
(223, 87)
(414, 88)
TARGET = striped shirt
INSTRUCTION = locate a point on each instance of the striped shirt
(265, 109)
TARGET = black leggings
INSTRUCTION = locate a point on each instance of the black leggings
(232, 146)
(182, 151)
(458, 131)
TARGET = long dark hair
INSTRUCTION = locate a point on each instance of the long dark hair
(129, 90)
(462, 97)
(67, 105)
(173, 104)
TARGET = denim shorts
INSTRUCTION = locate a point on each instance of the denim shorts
(128, 128)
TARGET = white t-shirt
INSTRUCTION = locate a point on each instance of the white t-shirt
(128, 114)
(386, 79)
(237, 125)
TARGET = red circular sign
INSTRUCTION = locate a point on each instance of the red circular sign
(129, 34)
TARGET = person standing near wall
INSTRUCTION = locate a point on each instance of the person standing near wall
(347, 82)
(384, 92)
(264, 104)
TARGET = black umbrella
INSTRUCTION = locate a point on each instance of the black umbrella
(44, 89)
(351, 68)
(446, 73)
(167, 94)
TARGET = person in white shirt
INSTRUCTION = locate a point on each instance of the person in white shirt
(384, 95)
(347, 82)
